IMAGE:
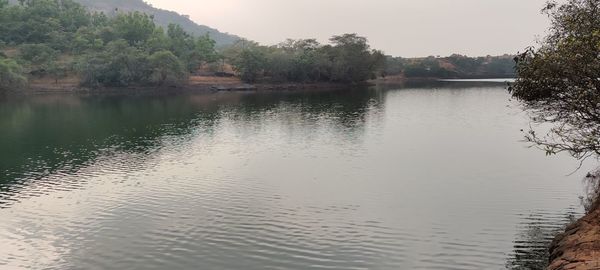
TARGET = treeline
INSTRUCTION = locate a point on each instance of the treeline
(58, 38)
(454, 66)
(348, 59)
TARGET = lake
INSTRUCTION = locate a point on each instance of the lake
(428, 177)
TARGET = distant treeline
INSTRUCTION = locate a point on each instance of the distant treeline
(59, 39)
(454, 66)
(347, 59)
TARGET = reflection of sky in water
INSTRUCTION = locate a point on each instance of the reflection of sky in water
(427, 178)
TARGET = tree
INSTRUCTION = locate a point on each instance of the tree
(167, 69)
(250, 63)
(134, 27)
(353, 60)
(56, 71)
(559, 81)
(117, 66)
(37, 53)
(11, 75)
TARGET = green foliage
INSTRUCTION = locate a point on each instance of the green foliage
(559, 82)
(454, 66)
(36, 20)
(116, 51)
(56, 70)
(161, 17)
(135, 28)
(166, 69)
(250, 63)
(37, 53)
(352, 60)
(349, 59)
(11, 77)
(119, 65)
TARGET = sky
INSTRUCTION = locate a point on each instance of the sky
(408, 28)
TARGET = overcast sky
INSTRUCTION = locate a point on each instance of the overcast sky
(399, 27)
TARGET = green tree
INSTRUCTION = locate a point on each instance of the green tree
(11, 75)
(134, 27)
(250, 63)
(56, 70)
(559, 81)
(117, 66)
(353, 60)
(37, 53)
(167, 69)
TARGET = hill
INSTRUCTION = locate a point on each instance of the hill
(161, 17)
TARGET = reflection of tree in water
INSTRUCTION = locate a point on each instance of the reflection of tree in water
(591, 182)
(343, 111)
(45, 135)
(531, 249)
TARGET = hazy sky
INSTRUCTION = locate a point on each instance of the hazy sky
(398, 27)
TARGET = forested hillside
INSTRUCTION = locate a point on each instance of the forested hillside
(57, 39)
(42, 39)
(161, 17)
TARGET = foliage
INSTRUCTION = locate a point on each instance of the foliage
(134, 27)
(454, 66)
(11, 75)
(348, 59)
(121, 50)
(37, 53)
(249, 63)
(162, 18)
(559, 82)
(166, 69)
(119, 65)
(56, 70)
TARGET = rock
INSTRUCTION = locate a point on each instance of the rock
(578, 248)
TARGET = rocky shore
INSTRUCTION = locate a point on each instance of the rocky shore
(578, 248)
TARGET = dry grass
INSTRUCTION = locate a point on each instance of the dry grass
(212, 80)
(46, 82)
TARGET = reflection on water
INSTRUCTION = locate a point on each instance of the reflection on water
(431, 177)
(531, 248)
(48, 135)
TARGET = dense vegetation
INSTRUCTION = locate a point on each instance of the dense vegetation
(161, 17)
(454, 66)
(60, 37)
(559, 82)
(347, 59)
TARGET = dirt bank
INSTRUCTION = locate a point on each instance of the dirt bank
(579, 246)
(193, 85)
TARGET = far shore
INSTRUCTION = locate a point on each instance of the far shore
(211, 84)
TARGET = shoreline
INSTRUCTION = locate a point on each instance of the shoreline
(579, 246)
(205, 84)
(194, 85)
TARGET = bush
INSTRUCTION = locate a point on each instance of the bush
(11, 75)
(119, 65)
(37, 53)
(166, 69)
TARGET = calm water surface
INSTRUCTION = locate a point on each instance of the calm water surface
(418, 178)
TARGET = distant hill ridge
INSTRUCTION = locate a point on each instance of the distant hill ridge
(161, 17)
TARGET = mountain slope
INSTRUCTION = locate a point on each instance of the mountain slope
(161, 17)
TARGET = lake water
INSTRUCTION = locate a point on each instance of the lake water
(415, 178)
